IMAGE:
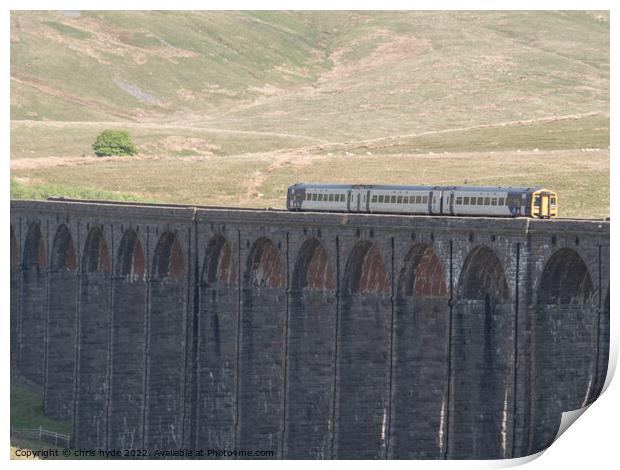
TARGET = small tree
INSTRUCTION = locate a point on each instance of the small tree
(113, 142)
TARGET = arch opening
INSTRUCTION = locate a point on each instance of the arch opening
(312, 326)
(131, 263)
(168, 261)
(96, 257)
(14, 289)
(264, 267)
(63, 251)
(363, 355)
(566, 343)
(483, 276)
(217, 346)
(313, 269)
(422, 274)
(483, 346)
(566, 280)
(365, 271)
(219, 265)
(14, 251)
(31, 324)
(91, 418)
(34, 249)
(128, 345)
(262, 338)
(421, 335)
(61, 334)
(167, 346)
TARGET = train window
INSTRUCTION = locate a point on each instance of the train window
(424, 199)
(487, 201)
(399, 200)
(381, 198)
(342, 198)
(374, 199)
(501, 201)
(466, 200)
(494, 201)
(552, 201)
(418, 199)
(393, 199)
(459, 201)
(331, 198)
(537, 201)
(480, 201)
(405, 199)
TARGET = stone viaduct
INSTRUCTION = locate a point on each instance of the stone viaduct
(311, 335)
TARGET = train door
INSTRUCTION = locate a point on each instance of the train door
(436, 202)
(544, 205)
(356, 200)
(448, 203)
(349, 198)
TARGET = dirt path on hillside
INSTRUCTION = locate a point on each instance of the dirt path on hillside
(278, 161)
(389, 139)
(157, 126)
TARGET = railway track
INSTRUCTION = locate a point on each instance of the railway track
(252, 209)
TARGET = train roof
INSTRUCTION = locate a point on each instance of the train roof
(415, 187)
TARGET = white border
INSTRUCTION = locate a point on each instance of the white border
(591, 443)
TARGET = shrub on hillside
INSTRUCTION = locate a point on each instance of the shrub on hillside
(112, 142)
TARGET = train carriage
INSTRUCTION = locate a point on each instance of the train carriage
(486, 201)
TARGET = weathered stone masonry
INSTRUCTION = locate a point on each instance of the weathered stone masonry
(312, 335)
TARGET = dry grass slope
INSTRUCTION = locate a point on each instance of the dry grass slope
(230, 107)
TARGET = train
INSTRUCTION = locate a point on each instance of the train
(482, 201)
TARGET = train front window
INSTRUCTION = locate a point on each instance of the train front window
(537, 201)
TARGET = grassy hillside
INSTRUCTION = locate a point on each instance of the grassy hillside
(329, 74)
(229, 107)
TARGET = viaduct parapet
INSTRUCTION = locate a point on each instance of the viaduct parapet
(310, 335)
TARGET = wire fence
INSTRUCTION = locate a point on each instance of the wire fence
(43, 435)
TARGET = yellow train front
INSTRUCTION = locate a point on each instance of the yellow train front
(481, 201)
(544, 204)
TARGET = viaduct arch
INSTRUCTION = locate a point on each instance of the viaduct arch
(312, 335)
